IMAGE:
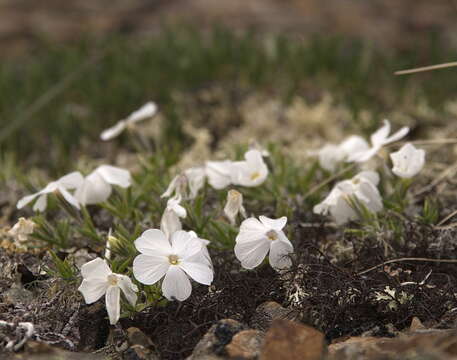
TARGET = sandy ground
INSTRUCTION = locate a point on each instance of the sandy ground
(387, 23)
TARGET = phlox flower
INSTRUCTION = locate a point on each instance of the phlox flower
(97, 186)
(378, 139)
(362, 187)
(331, 155)
(408, 161)
(147, 111)
(234, 205)
(250, 172)
(62, 185)
(99, 280)
(258, 237)
(170, 221)
(187, 184)
(175, 260)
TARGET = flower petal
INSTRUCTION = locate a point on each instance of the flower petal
(176, 284)
(71, 181)
(201, 273)
(400, 134)
(128, 288)
(113, 131)
(184, 244)
(150, 269)
(113, 306)
(153, 242)
(379, 137)
(95, 269)
(69, 198)
(251, 229)
(279, 251)
(93, 190)
(276, 224)
(219, 173)
(41, 203)
(115, 175)
(93, 289)
(252, 253)
(147, 111)
(26, 200)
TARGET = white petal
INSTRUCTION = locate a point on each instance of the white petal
(113, 306)
(173, 204)
(153, 242)
(363, 156)
(219, 173)
(170, 223)
(276, 224)
(329, 156)
(93, 190)
(342, 212)
(400, 134)
(379, 137)
(279, 251)
(26, 200)
(71, 181)
(196, 177)
(176, 284)
(371, 176)
(69, 198)
(251, 229)
(171, 187)
(201, 273)
(147, 111)
(113, 131)
(252, 253)
(93, 289)
(184, 244)
(128, 288)
(41, 203)
(408, 161)
(150, 269)
(95, 269)
(353, 144)
(114, 175)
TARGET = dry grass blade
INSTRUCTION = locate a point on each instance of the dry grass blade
(426, 68)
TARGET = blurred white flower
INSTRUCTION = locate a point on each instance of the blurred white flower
(62, 185)
(187, 184)
(234, 205)
(378, 139)
(252, 171)
(98, 280)
(97, 186)
(145, 112)
(22, 229)
(257, 238)
(362, 187)
(219, 173)
(174, 261)
(170, 221)
(408, 161)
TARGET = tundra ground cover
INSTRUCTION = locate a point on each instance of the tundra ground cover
(220, 98)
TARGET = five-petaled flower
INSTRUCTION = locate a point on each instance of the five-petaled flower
(408, 161)
(61, 186)
(175, 260)
(378, 139)
(97, 186)
(99, 280)
(147, 111)
(258, 237)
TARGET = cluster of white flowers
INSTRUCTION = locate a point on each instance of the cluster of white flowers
(175, 256)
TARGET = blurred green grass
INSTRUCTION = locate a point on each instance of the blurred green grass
(132, 71)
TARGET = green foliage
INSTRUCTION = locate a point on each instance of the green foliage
(62, 268)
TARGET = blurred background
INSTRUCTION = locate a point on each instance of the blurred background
(69, 69)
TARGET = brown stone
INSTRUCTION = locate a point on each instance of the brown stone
(416, 325)
(137, 337)
(289, 340)
(269, 311)
(245, 345)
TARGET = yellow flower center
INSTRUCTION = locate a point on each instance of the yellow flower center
(112, 279)
(173, 259)
(272, 235)
(255, 175)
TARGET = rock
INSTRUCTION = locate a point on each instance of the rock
(137, 337)
(416, 325)
(289, 340)
(269, 311)
(245, 345)
(141, 347)
(213, 345)
(39, 351)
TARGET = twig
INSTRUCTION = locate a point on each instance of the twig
(48, 96)
(426, 68)
(438, 179)
(450, 261)
(451, 215)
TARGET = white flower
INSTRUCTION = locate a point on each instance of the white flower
(252, 171)
(22, 229)
(187, 184)
(62, 185)
(257, 238)
(170, 221)
(219, 173)
(96, 187)
(204, 252)
(378, 139)
(98, 280)
(145, 112)
(174, 261)
(362, 187)
(234, 205)
(408, 161)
